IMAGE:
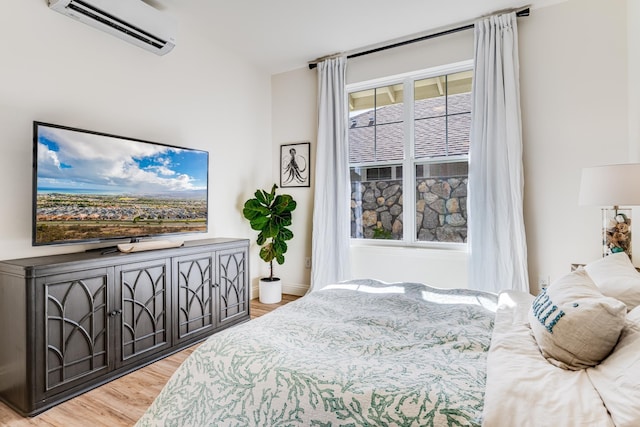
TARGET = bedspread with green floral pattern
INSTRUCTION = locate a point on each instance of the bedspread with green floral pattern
(361, 353)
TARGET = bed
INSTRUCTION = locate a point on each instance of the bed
(367, 353)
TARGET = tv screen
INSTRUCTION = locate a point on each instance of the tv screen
(91, 186)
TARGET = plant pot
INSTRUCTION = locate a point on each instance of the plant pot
(270, 290)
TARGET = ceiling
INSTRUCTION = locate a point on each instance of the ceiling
(281, 35)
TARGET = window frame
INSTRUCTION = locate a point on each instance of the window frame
(409, 162)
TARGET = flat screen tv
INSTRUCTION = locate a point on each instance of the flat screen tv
(92, 187)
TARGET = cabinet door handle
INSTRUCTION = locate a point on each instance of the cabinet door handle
(114, 313)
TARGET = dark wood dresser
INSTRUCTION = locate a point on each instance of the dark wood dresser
(69, 323)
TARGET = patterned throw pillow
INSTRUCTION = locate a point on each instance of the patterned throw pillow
(574, 325)
(616, 277)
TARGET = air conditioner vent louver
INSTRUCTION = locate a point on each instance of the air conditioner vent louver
(131, 20)
(114, 22)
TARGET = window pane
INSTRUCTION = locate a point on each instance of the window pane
(429, 98)
(361, 102)
(389, 142)
(460, 103)
(361, 145)
(376, 205)
(375, 124)
(389, 104)
(459, 92)
(442, 115)
(430, 137)
(459, 127)
(441, 202)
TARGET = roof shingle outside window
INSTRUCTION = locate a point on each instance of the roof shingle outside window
(436, 135)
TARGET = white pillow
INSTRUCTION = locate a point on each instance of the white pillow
(617, 378)
(574, 325)
(616, 277)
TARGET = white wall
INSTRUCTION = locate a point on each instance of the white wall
(573, 63)
(443, 50)
(633, 53)
(294, 112)
(437, 267)
(60, 71)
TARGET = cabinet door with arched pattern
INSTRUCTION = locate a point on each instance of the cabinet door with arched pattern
(142, 315)
(194, 294)
(232, 278)
(72, 338)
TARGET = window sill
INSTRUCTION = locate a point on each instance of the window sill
(439, 246)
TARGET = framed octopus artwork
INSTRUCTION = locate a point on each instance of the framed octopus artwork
(295, 165)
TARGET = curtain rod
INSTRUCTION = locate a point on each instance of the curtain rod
(312, 65)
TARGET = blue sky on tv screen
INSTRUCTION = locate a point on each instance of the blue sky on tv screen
(71, 161)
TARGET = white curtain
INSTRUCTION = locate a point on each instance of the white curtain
(497, 241)
(331, 223)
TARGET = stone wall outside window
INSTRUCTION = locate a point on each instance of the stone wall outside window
(441, 209)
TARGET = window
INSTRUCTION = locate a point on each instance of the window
(418, 123)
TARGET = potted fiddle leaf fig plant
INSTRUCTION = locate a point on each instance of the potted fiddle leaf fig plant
(270, 214)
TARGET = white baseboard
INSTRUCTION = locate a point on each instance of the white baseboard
(287, 288)
(295, 289)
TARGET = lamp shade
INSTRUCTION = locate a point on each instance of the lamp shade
(611, 185)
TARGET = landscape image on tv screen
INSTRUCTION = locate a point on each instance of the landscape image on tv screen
(90, 186)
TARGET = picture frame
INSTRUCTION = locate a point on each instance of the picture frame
(295, 165)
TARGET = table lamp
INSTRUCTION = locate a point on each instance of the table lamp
(613, 186)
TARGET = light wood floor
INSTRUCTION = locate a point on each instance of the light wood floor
(120, 402)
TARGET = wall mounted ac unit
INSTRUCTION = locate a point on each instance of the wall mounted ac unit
(130, 20)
